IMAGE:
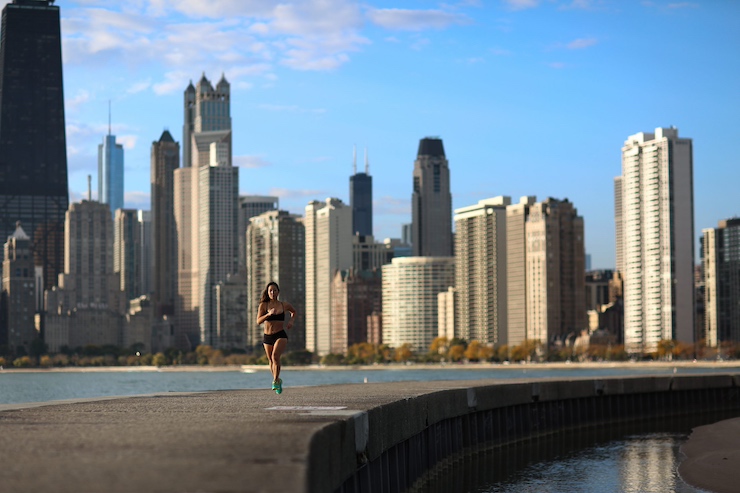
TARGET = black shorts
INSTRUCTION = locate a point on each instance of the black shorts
(271, 339)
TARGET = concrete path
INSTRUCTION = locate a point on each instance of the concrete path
(228, 441)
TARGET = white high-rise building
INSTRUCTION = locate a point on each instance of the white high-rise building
(658, 239)
(720, 253)
(480, 271)
(410, 299)
(328, 249)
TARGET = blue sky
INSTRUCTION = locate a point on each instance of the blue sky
(531, 97)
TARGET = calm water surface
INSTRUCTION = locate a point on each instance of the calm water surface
(20, 387)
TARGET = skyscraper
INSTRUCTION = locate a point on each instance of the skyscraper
(276, 242)
(556, 271)
(110, 173)
(410, 304)
(516, 269)
(206, 192)
(431, 201)
(33, 156)
(480, 271)
(361, 199)
(251, 206)
(17, 302)
(720, 252)
(328, 249)
(658, 239)
(165, 159)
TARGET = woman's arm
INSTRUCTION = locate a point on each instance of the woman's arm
(262, 313)
(289, 308)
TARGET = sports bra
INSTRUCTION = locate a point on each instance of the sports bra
(277, 316)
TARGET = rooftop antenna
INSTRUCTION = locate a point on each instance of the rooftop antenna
(367, 164)
(109, 117)
(354, 159)
(89, 188)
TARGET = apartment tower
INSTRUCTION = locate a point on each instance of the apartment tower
(480, 271)
(720, 252)
(17, 297)
(658, 239)
(328, 250)
(516, 269)
(431, 201)
(33, 152)
(276, 252)
(556, 272)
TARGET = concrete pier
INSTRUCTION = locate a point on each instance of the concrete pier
(339, 438)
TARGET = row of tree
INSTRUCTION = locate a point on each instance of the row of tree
(441, 350)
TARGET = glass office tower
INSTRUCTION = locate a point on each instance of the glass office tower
(33, 157)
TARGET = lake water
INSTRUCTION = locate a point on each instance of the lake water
(626, 460)
(39, 386)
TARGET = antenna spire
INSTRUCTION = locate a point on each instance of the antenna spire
(89, 188)
(354, 159)
(109, 117)
(367, 164)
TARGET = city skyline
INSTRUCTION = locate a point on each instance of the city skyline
(530, 98)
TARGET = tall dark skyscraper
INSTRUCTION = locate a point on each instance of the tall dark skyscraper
(165, 160)
(33, 155)
(431, 202)
(361, 199)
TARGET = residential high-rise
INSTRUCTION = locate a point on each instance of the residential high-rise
(431, 201)
(556, 272)
(720, 252)
(230, 299)
(33, 153)
(165, 159)
(480, 271)
(356, 295)
(88, 305)
(206, 198)
(110, 173)
(17, 297)
(658, 239)
(276, 252)
(516, 269)
(618, 226)
(410, 301)
(361, 199)
(251, 206)
(328, 249)
(146, 251)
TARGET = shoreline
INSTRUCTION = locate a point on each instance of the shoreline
(385, 367)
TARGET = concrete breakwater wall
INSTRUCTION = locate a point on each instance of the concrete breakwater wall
(390, 447)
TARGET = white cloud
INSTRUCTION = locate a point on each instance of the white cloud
(581, 43)
(79, 99)
(251, 162)
(415, 20)
(137, 200)
(173, 82)
(521, 4)
(139, 87)
(128, 141)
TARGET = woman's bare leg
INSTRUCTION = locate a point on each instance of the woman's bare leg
(277, 352)
(269, 350)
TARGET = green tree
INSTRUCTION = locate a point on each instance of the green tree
(297, 358)
(403, 354)
(333, 359)
(439, 345)
(159, 359)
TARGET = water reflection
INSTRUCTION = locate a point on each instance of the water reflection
(634, 458)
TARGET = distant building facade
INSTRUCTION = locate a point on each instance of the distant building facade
(356, 295)
(276, 252)
(33, 149)
(165, 159)
(410, 301)
(555, 257)
(480, 271)
(110, 173)
(361, 199)
(720, 249)
(431, 201)
(251, 206)
(328, 250)
(87, 307)
(657, 239)
(516, 269)
(17, 297)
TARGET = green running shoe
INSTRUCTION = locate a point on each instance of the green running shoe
(274, 384)
(279, 386)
